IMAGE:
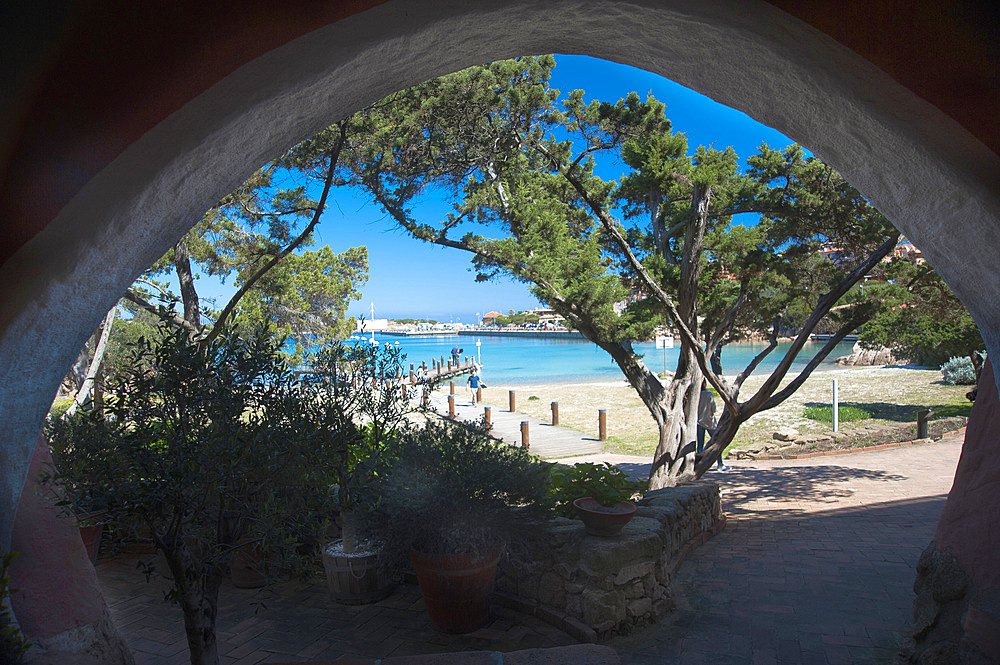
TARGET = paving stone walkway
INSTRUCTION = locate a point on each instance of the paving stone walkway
(816, 565)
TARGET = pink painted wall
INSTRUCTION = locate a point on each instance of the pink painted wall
(969, 528)
(58, 586)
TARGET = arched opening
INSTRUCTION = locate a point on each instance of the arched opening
(931, 176)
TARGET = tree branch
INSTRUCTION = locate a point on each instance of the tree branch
(136, 299)
(826, 301)
(320, 207)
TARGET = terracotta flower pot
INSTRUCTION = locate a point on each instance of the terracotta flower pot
(602, 521)
(246, 567)
(456, 589)
(91, 532)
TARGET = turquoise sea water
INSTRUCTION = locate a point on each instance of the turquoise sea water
(514, 360)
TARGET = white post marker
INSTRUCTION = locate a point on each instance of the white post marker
(664, 342)
(836, 407)
(479, 351)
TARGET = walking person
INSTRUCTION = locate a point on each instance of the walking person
(475, 383)
(707, 422)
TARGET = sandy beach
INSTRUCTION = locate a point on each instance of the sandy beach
(894, 394)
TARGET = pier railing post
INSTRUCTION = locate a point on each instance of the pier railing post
(524, 434)
(451, 387)
(602, 425)
(510, 398)
(922, 417)
(488, 414)
(555, 414)
(451, 406)
(479, 394)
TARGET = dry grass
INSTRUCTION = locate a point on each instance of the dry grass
(893, 394)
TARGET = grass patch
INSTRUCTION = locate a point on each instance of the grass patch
(952, 410)
(847, 413)
(533, 398)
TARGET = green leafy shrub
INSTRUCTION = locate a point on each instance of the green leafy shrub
(13, 644)
(846, 413)
(210, 445)
(606, 484)
(455, 490)
(958, 371)
(533, 398)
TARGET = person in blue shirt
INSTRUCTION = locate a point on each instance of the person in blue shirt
(475, 383)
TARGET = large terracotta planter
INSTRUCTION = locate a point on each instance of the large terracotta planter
(456, 589)
(246, 567)
(91, 532)
(358, 578)
(602, 521)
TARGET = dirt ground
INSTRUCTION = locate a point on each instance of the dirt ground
(893, 394)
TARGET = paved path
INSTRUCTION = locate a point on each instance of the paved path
(816, 565)
(544, 440)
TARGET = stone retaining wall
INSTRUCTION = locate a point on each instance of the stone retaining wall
(597, 587)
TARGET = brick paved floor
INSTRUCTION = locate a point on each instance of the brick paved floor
(297, 621)
(816, 565)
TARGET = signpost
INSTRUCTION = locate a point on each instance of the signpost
(479, 351)
(664, 342)
(836, 407)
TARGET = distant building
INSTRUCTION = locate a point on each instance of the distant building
(907, 250)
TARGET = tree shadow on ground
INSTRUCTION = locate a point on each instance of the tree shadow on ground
(903, 413)
(787, 485)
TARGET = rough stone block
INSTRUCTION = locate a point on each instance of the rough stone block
(634, 571)
(785, 434)
(603, 610)
(641, 607)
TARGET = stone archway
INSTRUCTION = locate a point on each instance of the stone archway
(115, 207)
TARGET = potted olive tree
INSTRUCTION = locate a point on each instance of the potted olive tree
(350, 384)
(454, 501)
(202, 444)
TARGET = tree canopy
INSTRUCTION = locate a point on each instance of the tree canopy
(522, 167)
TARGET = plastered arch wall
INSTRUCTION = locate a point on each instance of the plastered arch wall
(115, 199)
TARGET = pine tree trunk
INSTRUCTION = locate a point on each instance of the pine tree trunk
(104, 334)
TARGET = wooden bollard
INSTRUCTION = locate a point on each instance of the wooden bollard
(479, 394)
(602, 425)
(413, 378)
(434, 364)
(449, 365)
(424, 399)
(403, 388)
(451, 406)
(510, 397)
(524, 434)
(488, 414)
(441, 364)
(451, 387)
(411, 368)
(555, 413)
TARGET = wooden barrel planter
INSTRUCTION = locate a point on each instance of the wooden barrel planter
(355, 579)
(456, 589)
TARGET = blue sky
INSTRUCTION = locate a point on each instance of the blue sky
(413, 279)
